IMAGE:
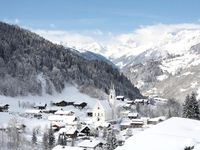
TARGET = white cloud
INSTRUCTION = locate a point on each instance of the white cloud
(65, 38)
(174, 38)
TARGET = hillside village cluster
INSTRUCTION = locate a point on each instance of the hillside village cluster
(105, 126)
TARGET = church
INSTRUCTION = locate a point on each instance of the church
(105, 110)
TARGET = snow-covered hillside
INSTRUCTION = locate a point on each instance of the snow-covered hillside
(173, 134)
(70, 93)
(158, 59)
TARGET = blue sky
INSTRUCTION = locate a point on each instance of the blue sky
(116, 16)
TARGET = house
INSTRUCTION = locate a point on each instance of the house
(63, 103)
(156, 120)
(125, 123)
(133, 115)
(105, 110)
(85, 130)
(64, 112)
(90, 144)
(61, 147)
(4, 108)
(128, 123)
(40, 106)
(68, 120)
(34, 113)
(69, 131)
(120, 98)
(137, 123)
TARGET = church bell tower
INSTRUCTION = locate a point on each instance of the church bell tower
(112, 98)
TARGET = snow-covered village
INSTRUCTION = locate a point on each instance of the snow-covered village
(99, 75)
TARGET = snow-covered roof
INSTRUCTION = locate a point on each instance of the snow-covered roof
(66, 119)
(102, 124)
(63, 112)
(125, 122)
(172, 134)
(137, 121)
(68, 130)
(105, 104)
(120, 97)
(132, 114)
(157, 119)
(32, 111)
(89, 143)
(60, 147)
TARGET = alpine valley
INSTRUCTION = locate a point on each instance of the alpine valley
(160, 59)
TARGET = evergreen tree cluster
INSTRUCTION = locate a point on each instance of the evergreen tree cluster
(25, 55)
(191, 107)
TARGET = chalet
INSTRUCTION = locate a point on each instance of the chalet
(90, 144)
(57, 126)
(120, 98)
(156, 120)
(131, 102)
(4, 108)
(126, 123)
(126, 106)
(133, 115)
(63, 103)
(64, 112)
(69, 131)
(85, 130)
(40, 106)
(34, 113)
(124, 113)
(137, 123)
(134, 123)
(80, 105)
(68, 120)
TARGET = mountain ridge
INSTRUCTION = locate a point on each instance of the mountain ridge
(28, 59)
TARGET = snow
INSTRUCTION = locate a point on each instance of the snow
(59, 147)
(63, 112)
(194, 84)
(32, 111)
(70, 93)
(174, 65)
(68, 130)
(162, 77)
(183, 90)
(172, 134)
(89, 143)
(105, 105)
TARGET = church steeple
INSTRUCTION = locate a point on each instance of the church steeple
(112, 98)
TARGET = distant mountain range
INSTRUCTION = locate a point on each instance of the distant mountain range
(29, 64)
(166, 64)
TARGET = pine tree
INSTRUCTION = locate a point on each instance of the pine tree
(191, 107)
(51, 138)
(34, 137)
(111, 141)
(45, 140)
(62, 139)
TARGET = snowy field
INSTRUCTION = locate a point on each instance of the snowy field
(173, 134)
(70, 93)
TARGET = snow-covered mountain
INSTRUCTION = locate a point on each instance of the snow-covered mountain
(159, 59)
